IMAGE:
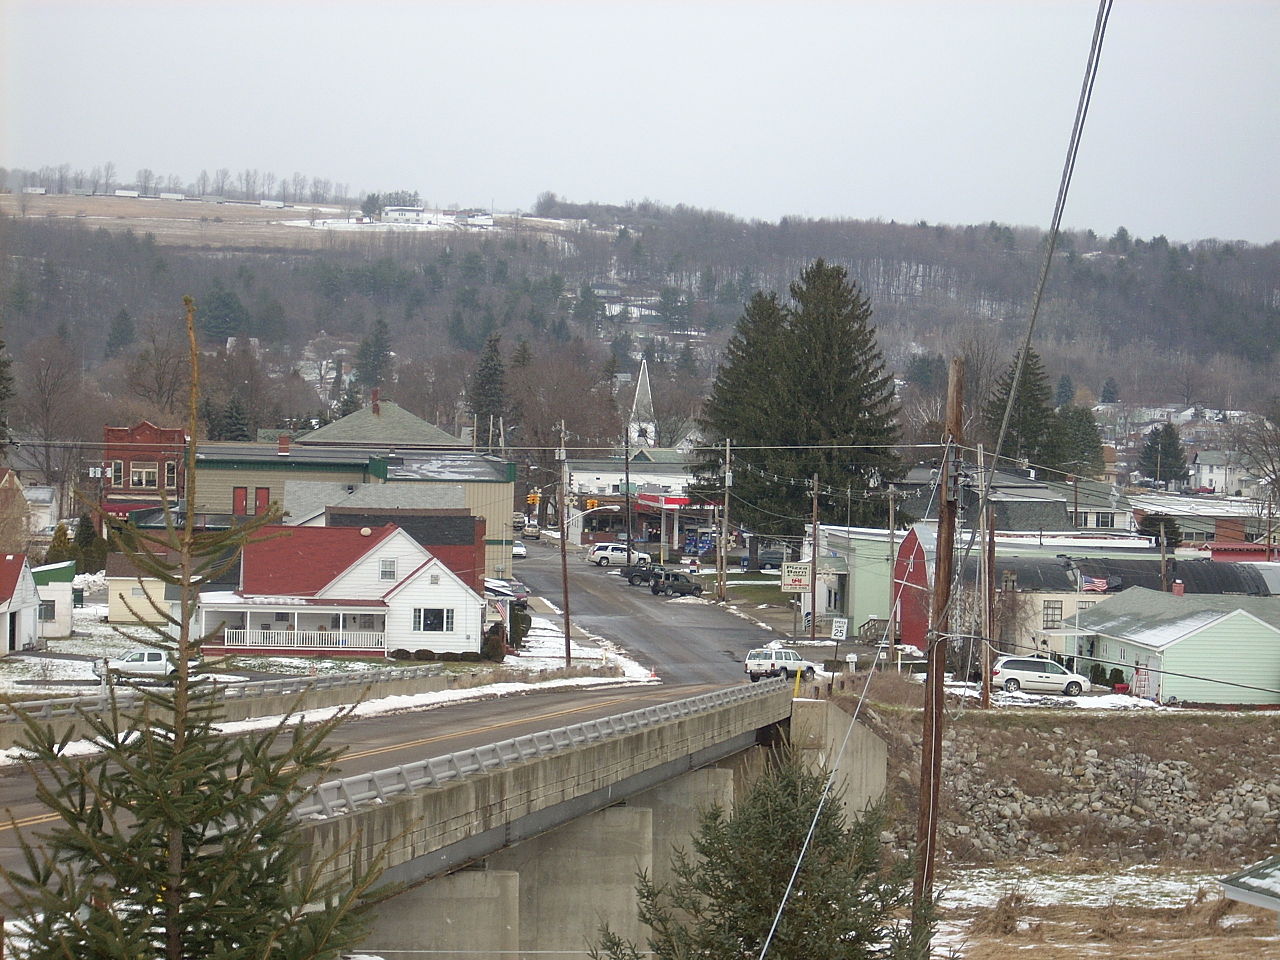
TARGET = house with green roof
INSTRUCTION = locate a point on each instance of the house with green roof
(54, 585)
(1200, 648)
(384, 425)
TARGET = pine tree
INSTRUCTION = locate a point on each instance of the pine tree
(6, 391)
(1028, 435)
(85, 534)
(1065, 394)
(121, 335)
(1162, 457)
(174, 841)
(351, 400)
(807, 379)
(724, 895)
(235, 420)
(1161, 527)
(1075, 446)
(373, 358)
(1110, 391)
(487, 391)
(61, 549)
(523, 355)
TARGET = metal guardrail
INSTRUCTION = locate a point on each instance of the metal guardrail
(337, 797)
(228, 692)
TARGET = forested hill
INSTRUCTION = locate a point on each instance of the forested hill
(1206, 297)
(1136, 310)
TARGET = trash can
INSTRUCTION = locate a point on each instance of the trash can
(745, 561)
(77, 596)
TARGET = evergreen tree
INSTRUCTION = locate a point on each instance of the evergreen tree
(121, 335)
(1075, 446)
(61, 549)
(724, 895)
(1029, 425)
(523, 356)
(6, 391)
(373, 358)
(487, 391)
(588, 308)
(224, 314)
(1110, 391)
(351, 400)
(1162, 457)
(1161, 527)
(174, 841)
(808, 380)
(211, 415)
(1065, 395)
(235, 421)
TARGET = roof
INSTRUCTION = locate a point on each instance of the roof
(1158, 620)
(381, 424)
(1199, 577)
(11, 565)
(663, 455)
(222, 452)
(63, 572)
(305, 499)
(1258, 885)
(428, 530)
(302, 561)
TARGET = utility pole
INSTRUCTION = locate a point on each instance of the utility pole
(1164, 575)
(894, 588)
(722, 568)
(984, 587)
(931, 746)
(562, 456)
(626, 483)
(813, 570)
(989, 607)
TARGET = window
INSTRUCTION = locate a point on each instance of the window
(171, 475)
(1052, 613)
(1079, 519)
(46, 614)
(143, 475)
(1083, 605)
(282, 616)
(137, 592)
(432, 619)
(387, 569)
(366, 621)
(1106, 520)
(117, 473)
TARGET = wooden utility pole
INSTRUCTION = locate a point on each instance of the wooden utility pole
(722, 568)
(895, 589)
(931, 746)
(563, 457)
(989, 607)
(813, 570)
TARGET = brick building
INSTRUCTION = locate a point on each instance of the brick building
(142, 465)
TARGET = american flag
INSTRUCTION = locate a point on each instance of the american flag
(1093, 584)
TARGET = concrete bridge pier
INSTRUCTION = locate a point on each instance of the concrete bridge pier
(475, 912)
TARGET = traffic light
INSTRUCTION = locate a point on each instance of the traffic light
(592, 504)
(532, 499)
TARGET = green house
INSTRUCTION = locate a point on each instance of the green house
(1200, 648)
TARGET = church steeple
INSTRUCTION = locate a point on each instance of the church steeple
(642, 427)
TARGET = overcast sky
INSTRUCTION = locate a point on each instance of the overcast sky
(951, 112)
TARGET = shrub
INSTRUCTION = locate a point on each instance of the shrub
(1115, 676)
(400, 655)
(447, 657)
(471, 656)
(1097, 674)
(424, 655)
(494, 647)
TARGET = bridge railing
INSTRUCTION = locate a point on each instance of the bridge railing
(54, 708)
(337, 797)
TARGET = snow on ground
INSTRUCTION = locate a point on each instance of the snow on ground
(1000, 698)
(1137, 886)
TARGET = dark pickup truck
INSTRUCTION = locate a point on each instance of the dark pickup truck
(637, 573)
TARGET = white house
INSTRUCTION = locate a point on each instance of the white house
(1216, 470)
(53, 583)
(346, 591)
(19, 604)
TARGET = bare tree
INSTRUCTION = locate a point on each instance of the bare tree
(157, 373)
(299, 186)
(63, 177)
(202, 183)
(51, 405)
(268, 183)
(221, 180)
(1257, 444)
(108, 175)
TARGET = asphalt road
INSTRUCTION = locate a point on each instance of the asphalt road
(683, 641)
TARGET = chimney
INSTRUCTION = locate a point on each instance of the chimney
(375, 396)
(282, 445)
(1179, 588)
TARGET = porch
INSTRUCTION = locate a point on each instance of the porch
(233, 639)
(292, 625)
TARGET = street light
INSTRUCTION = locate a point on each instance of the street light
(564, 567)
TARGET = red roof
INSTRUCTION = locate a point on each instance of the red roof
(10, 567)
(302, 561)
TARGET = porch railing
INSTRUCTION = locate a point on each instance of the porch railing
(304, 639)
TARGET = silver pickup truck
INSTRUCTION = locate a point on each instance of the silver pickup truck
(141, 663)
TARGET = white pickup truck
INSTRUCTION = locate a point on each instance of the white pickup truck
(765, 662)
(140, 663)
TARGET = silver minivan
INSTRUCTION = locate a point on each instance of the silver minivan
(1037, 673)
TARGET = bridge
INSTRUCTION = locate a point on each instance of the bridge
(528, 845)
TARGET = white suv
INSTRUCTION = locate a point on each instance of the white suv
(1037, 673)
(603, 554)
(766, 662)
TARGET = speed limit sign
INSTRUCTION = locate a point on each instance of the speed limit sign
(839, 628)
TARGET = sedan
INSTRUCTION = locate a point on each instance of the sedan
(518, 549)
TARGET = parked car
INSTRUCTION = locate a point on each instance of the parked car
(531, 531)
(1037, 673)
(512, 590)
(674, 584)
(603, 554)
(518, 549)
(767, 662)
(770, 558)
(141, 663)
(639, 573)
